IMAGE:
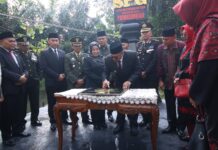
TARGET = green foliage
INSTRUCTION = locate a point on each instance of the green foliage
(71, 19)
(2, 1)
(106, 13)
(161, 15)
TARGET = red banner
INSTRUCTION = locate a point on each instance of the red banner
(130, 14)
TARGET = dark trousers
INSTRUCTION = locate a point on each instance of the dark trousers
(147, 84)
(0, 115)
(109, 112)
(186, 113)
(85, 116)
(32, 93)
(52, 101)
(12, 116)
(132, 119)
(98, 117)
(171, 106)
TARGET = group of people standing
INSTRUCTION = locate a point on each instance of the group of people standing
(107, 66)
(152, 65)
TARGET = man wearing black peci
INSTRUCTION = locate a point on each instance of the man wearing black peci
(125, 65)
(104, 47)
(52, 64)
(14, 78)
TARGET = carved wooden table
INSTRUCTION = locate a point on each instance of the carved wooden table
(76, 105)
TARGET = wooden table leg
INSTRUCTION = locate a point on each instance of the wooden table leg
(74, 123)
(154, 127)
(57, 114)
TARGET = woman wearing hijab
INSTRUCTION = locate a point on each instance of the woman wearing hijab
(93, 70)
(185, 109)
(202, 15)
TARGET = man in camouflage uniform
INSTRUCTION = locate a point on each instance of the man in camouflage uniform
(147, 55)
(31, 62)
(74, 71)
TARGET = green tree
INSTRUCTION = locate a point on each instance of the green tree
(161, 15)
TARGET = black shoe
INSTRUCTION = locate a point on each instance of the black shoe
(142, 124)
(97, 127)
(9, 143)
(53, 127)
(134, 131)
(169, 129)
(148, 126)
(182, 136)
(103, 126)
(110, 118)
(118, 129)
(87, 121)
(22, 134)
(66, 122)
(36, 123)
(185, 147)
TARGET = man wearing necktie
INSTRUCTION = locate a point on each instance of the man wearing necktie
(52, 64)
(56, 52)
(119, 64)
(14, 77)
(125, 64)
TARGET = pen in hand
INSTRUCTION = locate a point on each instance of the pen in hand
(106, 84)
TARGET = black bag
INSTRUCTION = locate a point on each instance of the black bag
(199, 140)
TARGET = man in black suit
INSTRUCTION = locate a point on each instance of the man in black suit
(14, 77)
(52, 64)
(124, 67)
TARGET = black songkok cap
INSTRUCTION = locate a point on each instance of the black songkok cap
(5, 35)
(23, 39)
(124, 40)
(53, 35)
(76, 39)
(101, 33)
(168, 32)
(116, 47)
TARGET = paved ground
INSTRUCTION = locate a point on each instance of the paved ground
(88, 139)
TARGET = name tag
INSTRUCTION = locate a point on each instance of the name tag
(149, 51)
(33, 58)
